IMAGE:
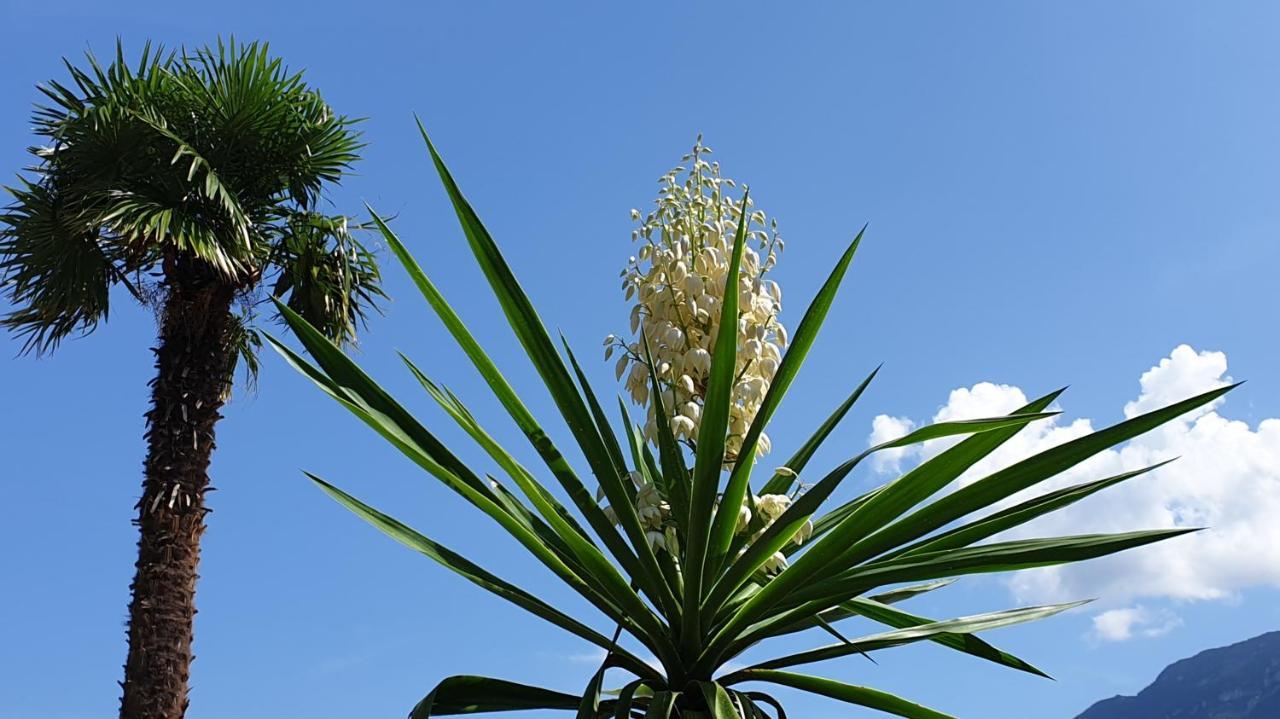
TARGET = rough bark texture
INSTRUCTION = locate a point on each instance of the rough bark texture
(192, 375)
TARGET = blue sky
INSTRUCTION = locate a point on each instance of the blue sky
(1057, 193)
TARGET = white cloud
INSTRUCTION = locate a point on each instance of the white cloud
(883, 429)
(1117, 625)
(1182, 374)
(594, 656)
(597, 656)
(1227, 478)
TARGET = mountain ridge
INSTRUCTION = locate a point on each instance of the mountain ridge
(1238, 681)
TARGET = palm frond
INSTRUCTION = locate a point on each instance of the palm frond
(325, 274)
(54, 269)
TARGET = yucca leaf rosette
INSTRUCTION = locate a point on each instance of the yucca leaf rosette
(685, 559)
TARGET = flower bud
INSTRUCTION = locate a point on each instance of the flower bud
(803, 534)
(672, 541)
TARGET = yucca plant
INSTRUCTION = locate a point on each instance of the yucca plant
(708, 586)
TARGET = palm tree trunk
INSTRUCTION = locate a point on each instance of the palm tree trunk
(193, 363)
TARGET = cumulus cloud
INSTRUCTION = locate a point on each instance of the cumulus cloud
(1227, 478)
(883, 429)
(1117, 625)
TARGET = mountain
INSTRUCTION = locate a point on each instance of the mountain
(1241, 681)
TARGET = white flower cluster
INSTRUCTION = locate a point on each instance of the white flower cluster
(677, 279)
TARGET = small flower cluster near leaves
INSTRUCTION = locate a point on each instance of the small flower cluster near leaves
(654, 512)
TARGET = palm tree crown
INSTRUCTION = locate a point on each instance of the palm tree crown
(218, 156)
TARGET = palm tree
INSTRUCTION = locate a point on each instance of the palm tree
(192, 181)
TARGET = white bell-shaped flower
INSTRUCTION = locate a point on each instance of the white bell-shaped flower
(776, 563)
(773, 505)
